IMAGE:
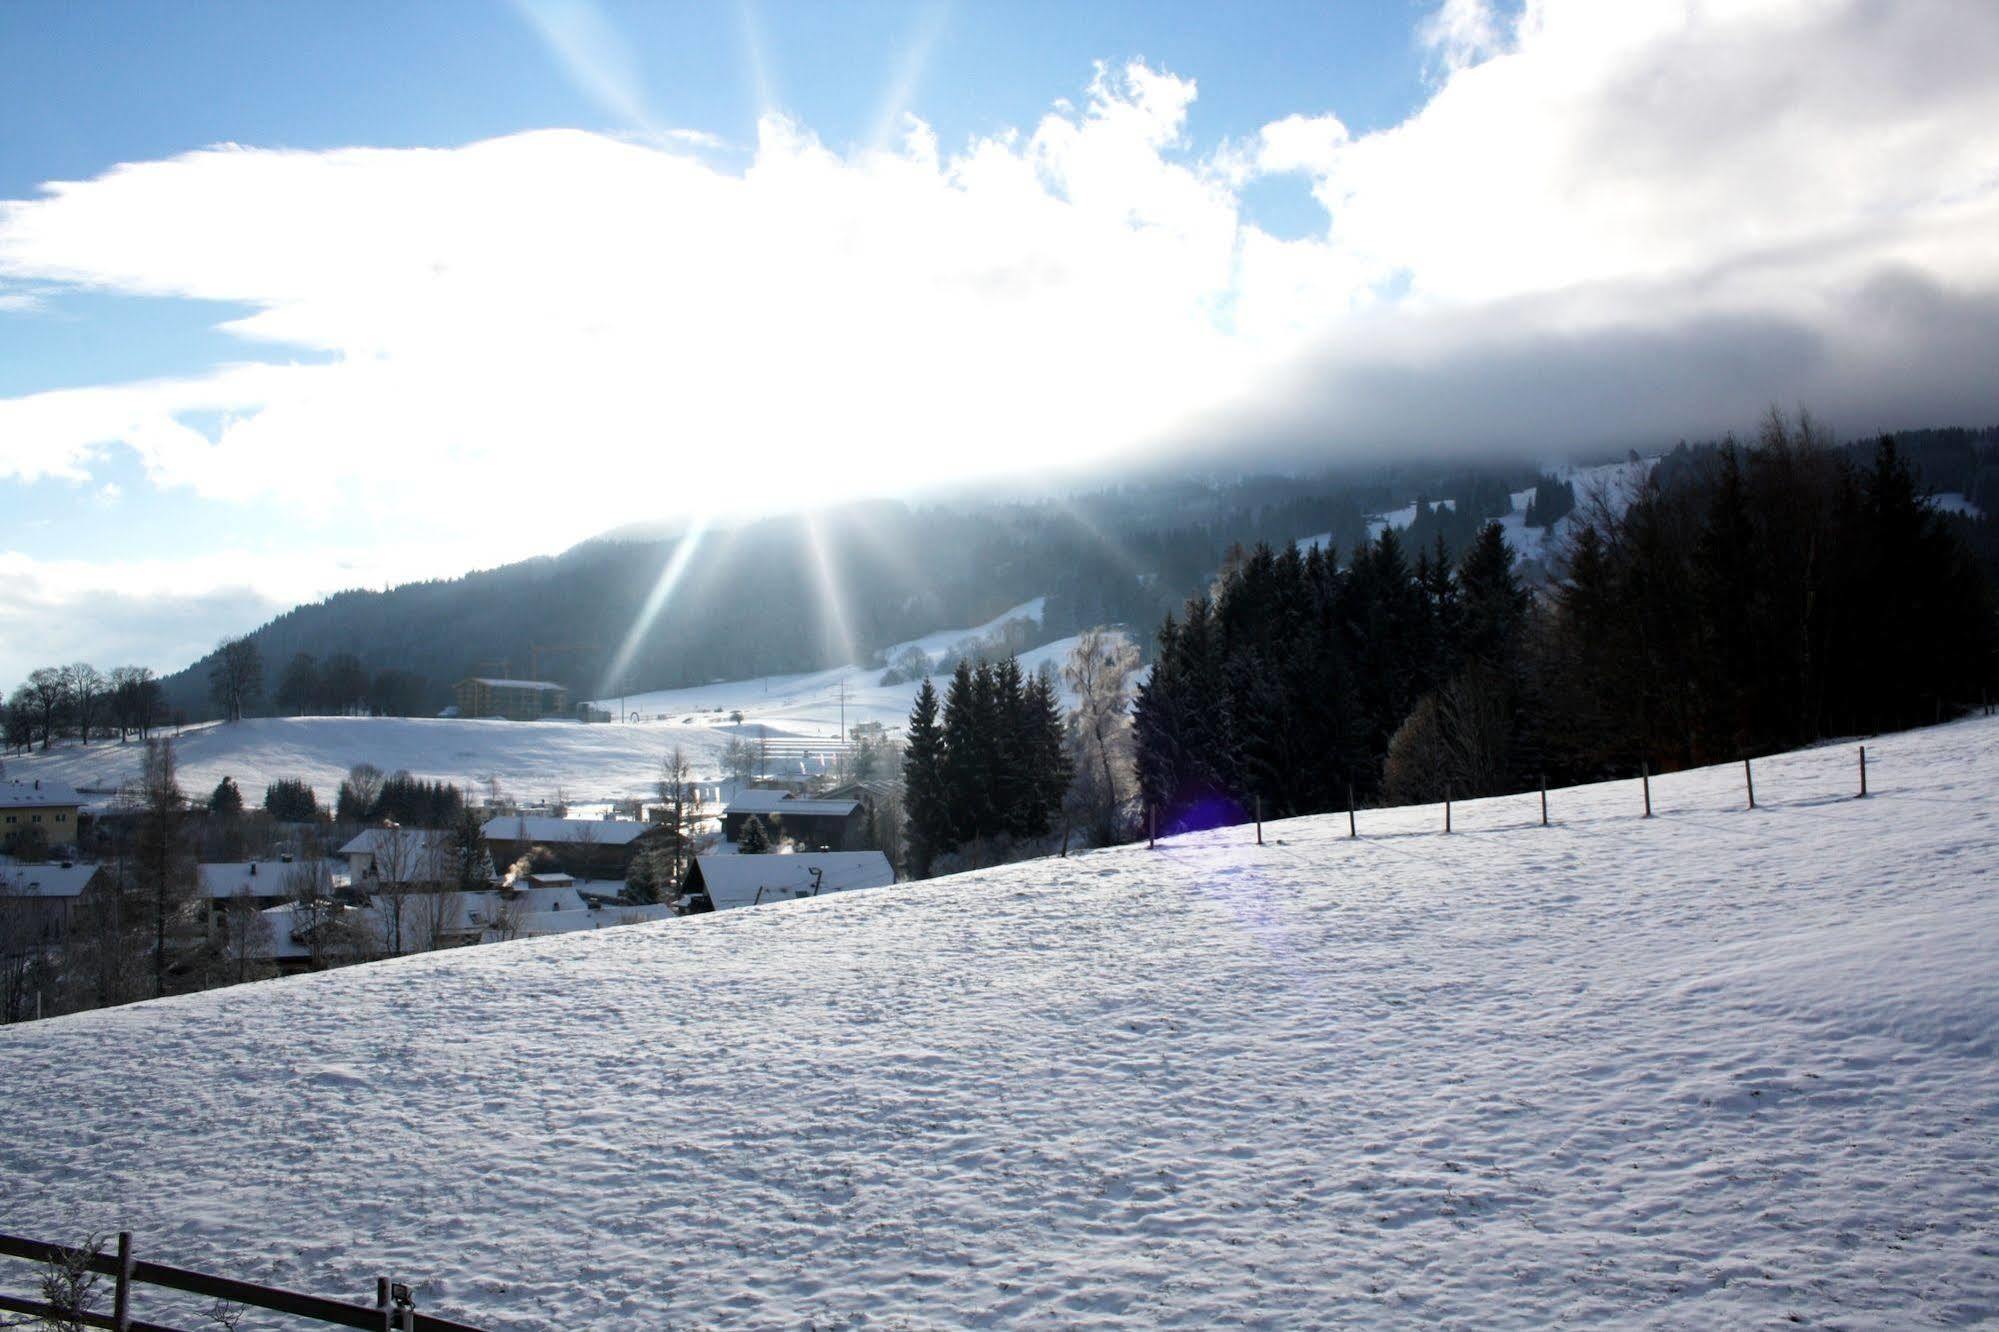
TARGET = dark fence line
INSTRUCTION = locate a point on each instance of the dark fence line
(1153, 832)
(394, 1309)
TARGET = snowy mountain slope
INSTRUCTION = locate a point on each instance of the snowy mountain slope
(1615, 483)
(594, 763)
(1716, 1068)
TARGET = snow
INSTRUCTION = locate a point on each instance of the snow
(784, 802)
(592, 765)
(51, 880)
(1720, 1067)
(738, 880)
(597, 832)
(36, 794)
(1615, 483)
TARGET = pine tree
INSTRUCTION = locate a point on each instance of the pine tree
(1048, 749)
(967, 778)
(924, 804)
(227, 800)
(1492, 606)
(756, 840)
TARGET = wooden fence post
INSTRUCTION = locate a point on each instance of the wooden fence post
(1151, 827)
(1544, 800)
(1447, 809)
(1259, 820)
(1863, 772)
(1749, 780)
(1353, 829)
(121, 1298)
(1645, 776)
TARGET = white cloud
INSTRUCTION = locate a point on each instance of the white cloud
(1463, 32)
(551, 333)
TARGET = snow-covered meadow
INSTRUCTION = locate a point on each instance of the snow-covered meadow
(1717, 1068)
(590, 764)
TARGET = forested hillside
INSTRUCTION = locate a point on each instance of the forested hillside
(784, 594)
(1747, 599)
(756, 599)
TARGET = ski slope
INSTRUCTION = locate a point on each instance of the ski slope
(590, 764)
(1719, 1068)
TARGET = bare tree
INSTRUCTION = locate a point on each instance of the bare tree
(739, 760)
(680, 795)
(359, 793)
(69, 1287)
(246, 942)
(47, 695)
(164, 863)
(30, 951)
(399, 875)
(508, 910)
(130, 695)
(86, 691)
(1099, 672)
(436, 915)
(235, 676)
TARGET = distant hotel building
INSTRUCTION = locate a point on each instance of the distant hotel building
(515, 700)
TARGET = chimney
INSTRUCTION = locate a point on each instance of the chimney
(253, 869)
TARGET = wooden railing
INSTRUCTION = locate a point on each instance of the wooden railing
(393, 1310)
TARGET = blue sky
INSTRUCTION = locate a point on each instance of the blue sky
(92, 85)
(330, 286)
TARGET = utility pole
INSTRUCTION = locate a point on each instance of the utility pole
(843, 708)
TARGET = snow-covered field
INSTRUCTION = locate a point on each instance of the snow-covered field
(591, 764)
(1720, 1068)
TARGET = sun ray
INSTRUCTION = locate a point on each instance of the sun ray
(908, 74)
(829, 588)
(656, 600)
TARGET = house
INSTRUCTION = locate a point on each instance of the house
(50, 806)
(401, 856)
(834, 825)
(587, 848)
(718, 883)
(266, 882)
(38, 901)
(513, 700)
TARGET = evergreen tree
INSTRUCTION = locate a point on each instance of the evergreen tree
(227, 800)
(967, 779)
(756, 839)
(1047, 749)
(289, 800)
(924, 801)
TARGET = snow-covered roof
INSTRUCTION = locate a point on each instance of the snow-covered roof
(37, 794)
(45, 880)
(601, 832)
(545, 686)
(569, 921)
(259, 878)
(783, 802)
(414, 841)
(735, 881)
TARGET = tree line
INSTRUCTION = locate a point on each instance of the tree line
(988, 763)
(1753, 598)
(80, 700)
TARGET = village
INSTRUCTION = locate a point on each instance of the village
(284, 889)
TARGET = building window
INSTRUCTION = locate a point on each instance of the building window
(62, 818)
